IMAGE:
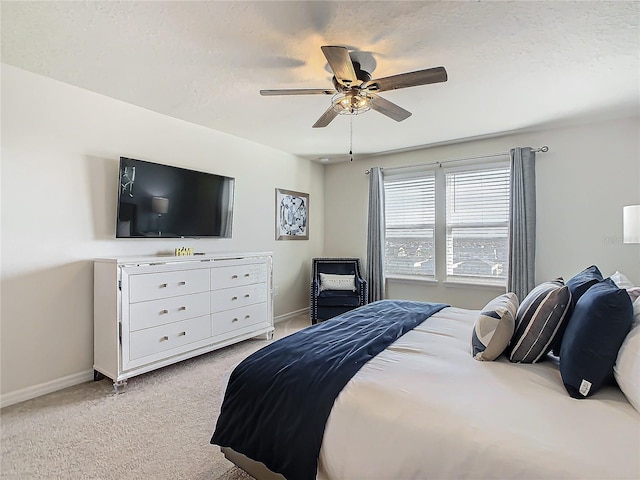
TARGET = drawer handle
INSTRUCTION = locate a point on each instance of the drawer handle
(164, 312)
(247, 274)
(163, 285)
(234, 298)
(182, 308)
(181, 283)
(247, 316)
(234, 276)
(234, 320)
(164, 339)
(182, 334)
(247, 295)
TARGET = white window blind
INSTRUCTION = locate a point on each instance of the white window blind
(409, 225)
(477, 222)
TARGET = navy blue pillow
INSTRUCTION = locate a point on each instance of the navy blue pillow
(581, 282)
(578, 285)
(600, 322)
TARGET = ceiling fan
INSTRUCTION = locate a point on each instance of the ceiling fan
(355, 92)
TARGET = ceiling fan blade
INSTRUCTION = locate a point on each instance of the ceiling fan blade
(404, 80)
(299, 91)
(341, 64)
(326, 118)
(388, 108)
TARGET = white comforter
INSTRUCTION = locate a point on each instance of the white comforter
(425, 409)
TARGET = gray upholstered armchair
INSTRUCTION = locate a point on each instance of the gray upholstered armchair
(337, 286)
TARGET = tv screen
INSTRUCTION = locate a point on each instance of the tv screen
(162, 201)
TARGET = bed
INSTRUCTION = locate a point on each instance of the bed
(424, 408)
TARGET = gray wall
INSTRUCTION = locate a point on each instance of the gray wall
(589, 174)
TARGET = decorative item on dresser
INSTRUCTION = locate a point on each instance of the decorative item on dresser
(150, 312)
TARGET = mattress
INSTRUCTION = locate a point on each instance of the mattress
(424, 408)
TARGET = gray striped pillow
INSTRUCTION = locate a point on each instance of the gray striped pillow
(539, 318)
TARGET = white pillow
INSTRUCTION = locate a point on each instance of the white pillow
(621, 280)
(634, 293)
(627, 367)
(329, 281)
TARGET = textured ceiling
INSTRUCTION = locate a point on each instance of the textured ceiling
(511, 65)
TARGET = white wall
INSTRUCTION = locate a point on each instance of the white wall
(60, 152)
(589, 174)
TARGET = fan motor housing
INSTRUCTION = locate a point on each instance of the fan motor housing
(361, 75)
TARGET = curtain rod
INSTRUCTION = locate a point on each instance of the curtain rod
(543, 149)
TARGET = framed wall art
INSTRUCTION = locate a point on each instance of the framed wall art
(292, 215)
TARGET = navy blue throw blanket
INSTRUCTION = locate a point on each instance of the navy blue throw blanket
(278, 399)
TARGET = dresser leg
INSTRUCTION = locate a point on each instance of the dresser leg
(120, 386)
(269, 336)
(97, 376)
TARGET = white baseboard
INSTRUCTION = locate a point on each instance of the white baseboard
(28, 393)
(290, 315)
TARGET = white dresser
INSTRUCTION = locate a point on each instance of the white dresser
(150, 312)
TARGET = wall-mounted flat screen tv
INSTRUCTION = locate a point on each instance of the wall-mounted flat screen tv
(163, 201)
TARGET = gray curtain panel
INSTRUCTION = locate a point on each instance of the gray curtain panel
(522, 222)
(375, 236)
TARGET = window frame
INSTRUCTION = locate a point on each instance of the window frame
(441, 227)
(413, 174)
(476, 280)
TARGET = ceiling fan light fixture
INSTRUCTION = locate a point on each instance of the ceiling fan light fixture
(351, 103)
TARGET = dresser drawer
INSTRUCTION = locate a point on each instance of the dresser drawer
(229, 298)
(151, 286)
(231, 276)
(223, 322)
(168, 310)
(165, 337)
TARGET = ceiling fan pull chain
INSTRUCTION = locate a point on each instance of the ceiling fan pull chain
(351, 136)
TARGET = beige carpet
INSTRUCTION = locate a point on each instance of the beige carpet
(158, 429)
(235, 473)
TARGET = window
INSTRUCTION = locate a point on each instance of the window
(465, 210)
(477, 224)
(409, 204)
